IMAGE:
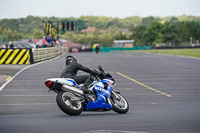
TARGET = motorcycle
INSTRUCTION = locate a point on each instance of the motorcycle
(72, 101)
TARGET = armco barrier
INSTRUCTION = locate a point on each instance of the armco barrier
(48, 53)
(29, 56)
(115, 49)
(16, 56)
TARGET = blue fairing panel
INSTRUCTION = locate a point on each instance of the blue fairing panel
(100, 103)
(102, 99)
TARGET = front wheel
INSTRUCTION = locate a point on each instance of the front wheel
(68, 103)
(119, 103)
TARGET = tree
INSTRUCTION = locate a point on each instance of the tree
(114, 32)
(106, 39)
(154, 34)
(148, 21)
(131, 22)
(4, 38)
(183, 31)
(137, 35)
(194, 29)
(9, 35)
(171, 34)
(113, 22)
(149, 30)
(37, 33)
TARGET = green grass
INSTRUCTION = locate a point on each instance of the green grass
(184, 52)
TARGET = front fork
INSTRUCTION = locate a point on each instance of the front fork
(115, 95)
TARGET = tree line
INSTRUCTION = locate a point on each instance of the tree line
(144, 31)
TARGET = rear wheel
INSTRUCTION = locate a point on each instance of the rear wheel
(68, 103)
(119, 103)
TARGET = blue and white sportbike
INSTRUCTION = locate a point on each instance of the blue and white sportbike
(72, 101)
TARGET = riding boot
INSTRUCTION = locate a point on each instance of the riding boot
(85, 86)
(86, 91)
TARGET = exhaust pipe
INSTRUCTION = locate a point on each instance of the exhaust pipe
(72, 89)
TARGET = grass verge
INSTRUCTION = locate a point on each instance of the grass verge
(184, 52)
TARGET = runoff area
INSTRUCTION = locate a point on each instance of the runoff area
(163, 94)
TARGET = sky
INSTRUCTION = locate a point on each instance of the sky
(110, 8)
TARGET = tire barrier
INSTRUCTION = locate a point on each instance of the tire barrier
(16, 56)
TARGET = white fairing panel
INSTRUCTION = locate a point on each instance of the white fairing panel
(68, 84)
(64, 81)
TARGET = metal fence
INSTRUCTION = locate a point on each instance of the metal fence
(41, 54)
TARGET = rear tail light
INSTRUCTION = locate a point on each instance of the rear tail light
(49, 83)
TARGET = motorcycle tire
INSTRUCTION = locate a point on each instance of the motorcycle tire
(67, 103)
(121, 105)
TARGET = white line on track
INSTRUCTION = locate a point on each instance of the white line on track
(22, 104)
(28, 95)
(26, 90)
(25, 116)
(4, 85)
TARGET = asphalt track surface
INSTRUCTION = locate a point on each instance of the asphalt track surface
(163, 93)
(7, 71)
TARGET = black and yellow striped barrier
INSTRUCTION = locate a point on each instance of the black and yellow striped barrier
(16, 56)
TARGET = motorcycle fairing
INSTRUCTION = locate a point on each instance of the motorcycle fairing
(65, 81)
(103, 95)
(73, 82)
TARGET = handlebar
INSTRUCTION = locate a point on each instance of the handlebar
(100, 69)
(101, 75)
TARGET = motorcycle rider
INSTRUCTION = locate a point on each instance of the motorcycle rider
(71, 69)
